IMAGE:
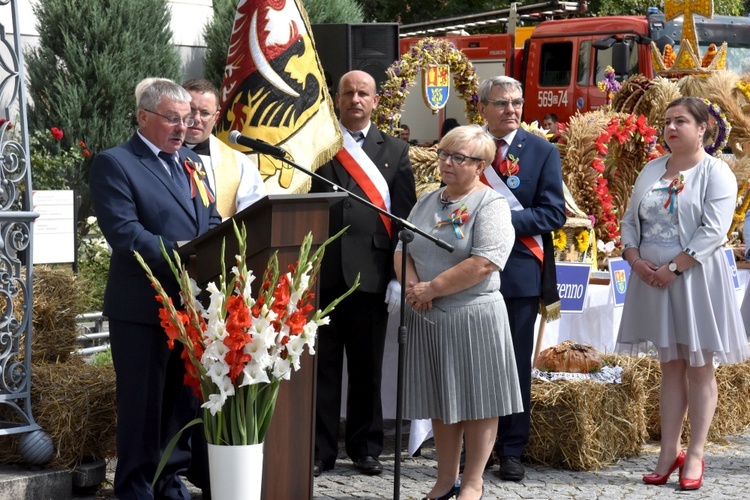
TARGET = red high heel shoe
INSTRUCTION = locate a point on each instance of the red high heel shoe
(692, 484)
(660, 479)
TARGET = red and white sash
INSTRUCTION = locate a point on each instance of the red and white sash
(493, 180)
(366, 175)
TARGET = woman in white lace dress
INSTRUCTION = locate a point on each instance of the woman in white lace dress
(460, 366)
(680, 298)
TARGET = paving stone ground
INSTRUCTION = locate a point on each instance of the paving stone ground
(726, 477)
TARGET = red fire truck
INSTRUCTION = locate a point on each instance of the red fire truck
(562, 60)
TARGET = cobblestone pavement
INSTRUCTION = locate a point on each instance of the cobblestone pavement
(726, 477)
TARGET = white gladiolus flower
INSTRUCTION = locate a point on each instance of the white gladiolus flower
(215, 403)
(282, 369)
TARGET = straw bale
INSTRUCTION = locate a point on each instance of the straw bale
(57, 300)
(74, 403)
(648, 370)
(585, 424)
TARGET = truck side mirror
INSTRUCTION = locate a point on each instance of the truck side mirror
(621, 58)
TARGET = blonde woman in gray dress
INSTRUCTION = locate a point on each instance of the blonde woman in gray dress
(460, 366)
(680, 298)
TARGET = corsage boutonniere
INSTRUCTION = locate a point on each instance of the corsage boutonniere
(457, 218)
(675, 187)
(509, 166)
(197, 176)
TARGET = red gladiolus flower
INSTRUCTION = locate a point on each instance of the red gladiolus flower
(86, 153)
(297, 321)
(239, 314)
(82, 144)
(57, 134)
(281, 295)
(3, 121)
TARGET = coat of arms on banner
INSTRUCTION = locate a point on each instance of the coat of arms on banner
(274, 90)
(436, 85)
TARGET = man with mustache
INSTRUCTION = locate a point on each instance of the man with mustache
(142, 198)
(380, 164)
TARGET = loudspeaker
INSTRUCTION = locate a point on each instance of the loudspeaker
(370, 47)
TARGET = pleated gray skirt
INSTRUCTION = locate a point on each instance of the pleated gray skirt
(460, 363)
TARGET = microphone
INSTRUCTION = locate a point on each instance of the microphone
(256, 145)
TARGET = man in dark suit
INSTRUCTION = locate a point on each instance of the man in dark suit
(140, 200)
(376, 167)
(527, 172)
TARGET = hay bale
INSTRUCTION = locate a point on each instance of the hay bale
(649, 371)
(584, 424)
(57, 300)
(75, 403)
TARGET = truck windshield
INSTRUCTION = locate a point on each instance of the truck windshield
(607, 57)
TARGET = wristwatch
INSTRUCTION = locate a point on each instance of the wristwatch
(673, 268)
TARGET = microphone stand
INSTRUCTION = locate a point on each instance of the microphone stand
(406, 235)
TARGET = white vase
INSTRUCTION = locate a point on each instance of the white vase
(236, 471)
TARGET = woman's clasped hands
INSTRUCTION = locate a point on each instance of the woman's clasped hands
(419, 295)
(651, 274)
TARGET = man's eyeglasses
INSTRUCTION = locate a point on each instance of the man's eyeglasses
(205, 115)
(456, 158)
(174, 121)
(503, 103)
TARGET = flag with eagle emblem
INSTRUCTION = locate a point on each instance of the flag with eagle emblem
(274, 90)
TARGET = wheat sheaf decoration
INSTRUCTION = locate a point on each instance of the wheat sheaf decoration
(603, 153)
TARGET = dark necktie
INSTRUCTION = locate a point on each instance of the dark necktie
(180, 178)
(498, 155)
(359, 137)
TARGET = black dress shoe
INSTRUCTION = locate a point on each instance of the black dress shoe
(368, 465)
(319, 467)
(511, 469)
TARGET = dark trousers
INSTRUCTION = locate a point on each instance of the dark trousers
(358, 326)
(152, 406)
(513, 430)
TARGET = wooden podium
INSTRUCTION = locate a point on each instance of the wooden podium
(276, 223)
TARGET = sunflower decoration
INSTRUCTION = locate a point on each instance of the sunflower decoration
(559, 240)
(583, 240)
(402, 73)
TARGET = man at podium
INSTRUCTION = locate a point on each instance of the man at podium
(141, 195)
(376, 167)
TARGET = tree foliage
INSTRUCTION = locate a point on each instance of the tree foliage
(640, 7)
(81, 76)
(216, 34)
(334, 11)
(414, 11)
(218, 31)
